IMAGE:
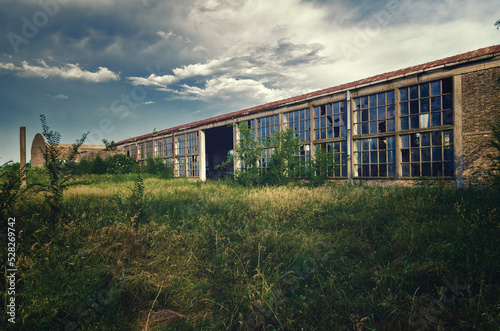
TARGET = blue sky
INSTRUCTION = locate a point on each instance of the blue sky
(121, 68)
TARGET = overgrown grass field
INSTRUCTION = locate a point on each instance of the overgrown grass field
(185, 255)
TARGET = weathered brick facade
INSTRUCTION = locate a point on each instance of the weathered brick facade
(481, 108)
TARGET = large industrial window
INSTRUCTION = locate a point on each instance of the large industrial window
(133, 151)
(267, 126)
(339, 150)
(330, 120)
(140, 151)
(265, 160)
(374, 113)
(251, 125)
(193, 168)
(192, 142)
(180, 144)
(427, 105)
(304, 154)
(168, 146)
(300, 122)
(428, 154)
(181, 166)
(158, 147)
(149, 148)
(375, 157)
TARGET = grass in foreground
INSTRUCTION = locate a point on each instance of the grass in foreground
(216, 256)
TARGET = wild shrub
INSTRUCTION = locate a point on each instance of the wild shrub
(121, 164)
(322, 166)
(10, 187)
(99, 166)
(157, 167)
(249, 150)
(285, 166)
(135, 202)
(60, 169)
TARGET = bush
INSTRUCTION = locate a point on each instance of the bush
(113, 165)
(99, 166)
(121, 164)
(10, 187)
(158, 167)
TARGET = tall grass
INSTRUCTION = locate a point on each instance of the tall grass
(216, 256)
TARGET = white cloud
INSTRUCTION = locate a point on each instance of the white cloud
(171, 35)
(231, 89)
(199, 69)
(58, 97)
(67, 71)
(7, 66)
(165, 35)
(199, 48)
(153, 80)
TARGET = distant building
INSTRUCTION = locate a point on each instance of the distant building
(90, 152)
(430, 120)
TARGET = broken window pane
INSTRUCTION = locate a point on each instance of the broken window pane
(425, 121)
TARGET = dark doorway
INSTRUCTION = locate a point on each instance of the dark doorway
(218, 145)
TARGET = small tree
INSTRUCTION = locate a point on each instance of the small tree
(10, 187)
(157, 166)
(285, 166)
(110, 145)
(99, 166)
(248, 152)
(322, 166)
(60, 168)
(121, 164)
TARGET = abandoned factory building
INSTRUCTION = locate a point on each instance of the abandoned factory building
(430, 120)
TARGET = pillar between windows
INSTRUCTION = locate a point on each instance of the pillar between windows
(203, 156)
(350, 107)
(457, 130)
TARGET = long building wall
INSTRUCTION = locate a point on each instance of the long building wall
(429, 121)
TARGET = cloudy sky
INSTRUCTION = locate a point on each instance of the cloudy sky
(121, 68)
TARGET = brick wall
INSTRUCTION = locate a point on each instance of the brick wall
(480, 107)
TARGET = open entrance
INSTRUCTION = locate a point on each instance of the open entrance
(218, 145)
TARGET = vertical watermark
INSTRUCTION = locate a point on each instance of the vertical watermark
(11, 270)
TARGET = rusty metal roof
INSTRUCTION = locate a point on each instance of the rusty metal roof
(471, 56)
